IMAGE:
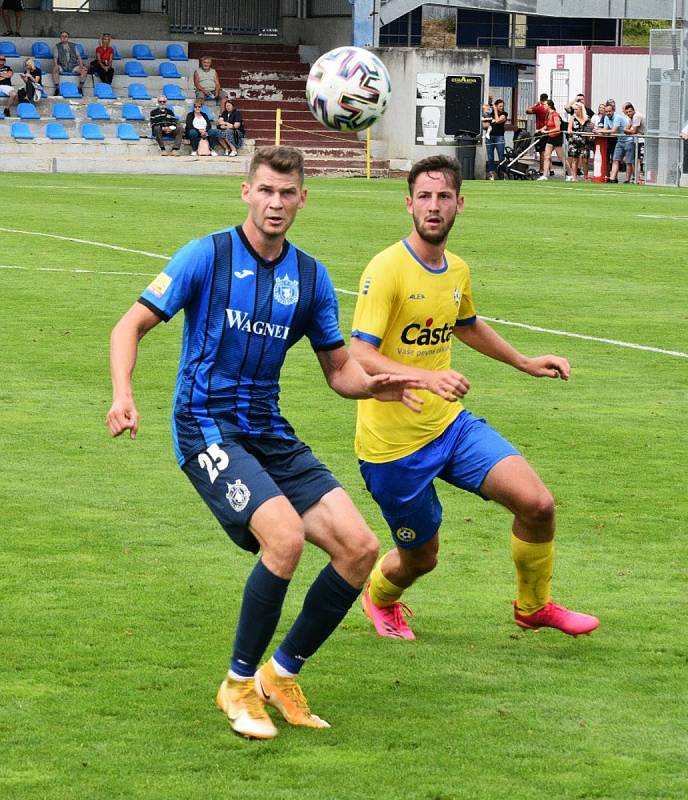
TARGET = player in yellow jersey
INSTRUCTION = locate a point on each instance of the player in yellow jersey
(414, 298)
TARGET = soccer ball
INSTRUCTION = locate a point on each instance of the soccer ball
(348, 89)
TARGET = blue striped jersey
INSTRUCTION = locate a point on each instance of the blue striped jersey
(242, 314)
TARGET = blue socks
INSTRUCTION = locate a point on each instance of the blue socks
(260, 612)
(324, 607)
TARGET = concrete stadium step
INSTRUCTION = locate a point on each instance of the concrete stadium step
(221, 50)
(301, 139)
(110, 163)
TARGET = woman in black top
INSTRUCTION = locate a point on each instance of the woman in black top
(33, 80)
(495, 141)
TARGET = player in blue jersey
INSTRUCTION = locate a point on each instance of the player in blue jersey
(248, 295)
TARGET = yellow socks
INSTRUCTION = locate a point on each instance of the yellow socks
(534, 564)
(382, 592)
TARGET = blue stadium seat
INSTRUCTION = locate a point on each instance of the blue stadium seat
(131, 112)
(41, 50)
(134, 70)
(80, 50)
(207, 112)
(142, 52)
(8, 49)
(90, 131)
(97, 111)
(175, 52)
(103, 91)
(21, 130)
(27, 111)
(173, 92)
(116, 56)
(56, 131)
(37, 63)
(127, 132)
(137, 91)
(167, 70)
(70, 90)
(62, 111)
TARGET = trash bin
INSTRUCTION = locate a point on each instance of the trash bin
(466, 147)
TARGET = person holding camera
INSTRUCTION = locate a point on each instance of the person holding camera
(33, 87)
(495, 140)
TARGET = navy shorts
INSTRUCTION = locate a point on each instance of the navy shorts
(237, 477)
(462, 456)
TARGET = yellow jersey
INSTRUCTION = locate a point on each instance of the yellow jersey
(408, 312)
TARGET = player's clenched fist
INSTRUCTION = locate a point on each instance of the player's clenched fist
(123, 416)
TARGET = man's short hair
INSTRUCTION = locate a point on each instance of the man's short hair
(448, 166)
(544, 96)
(279, 158)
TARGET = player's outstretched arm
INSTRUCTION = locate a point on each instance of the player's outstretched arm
(346, 377)
(481, 337)
(124, 343)
(448, 384)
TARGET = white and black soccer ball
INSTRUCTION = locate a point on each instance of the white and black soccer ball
(348, 89)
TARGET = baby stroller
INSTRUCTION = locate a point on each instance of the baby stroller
(511, 167)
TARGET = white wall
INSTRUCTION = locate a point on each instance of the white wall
(622, 77)
(394, 136)
(573, 62)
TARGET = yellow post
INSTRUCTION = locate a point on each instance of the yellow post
(278, 125)
(368, 153)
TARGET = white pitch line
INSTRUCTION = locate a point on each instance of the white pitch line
(615, 342)
(77, 271)
(86, 241)
(661, 216)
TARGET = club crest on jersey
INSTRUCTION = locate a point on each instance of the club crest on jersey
(457, 297)
(238, 495)
(286, 291)
(406, 535)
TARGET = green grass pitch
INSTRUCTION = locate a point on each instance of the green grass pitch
(120, 591)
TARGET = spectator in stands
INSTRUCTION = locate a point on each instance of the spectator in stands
(577, 144)
(33, 83)
(164, 122)
(206, 81)
(68, 62)
(637, 130)
(102, 64)
(6, 90)
(613, 125)
(540, 110)
(231, 128)
(198, 129)
(18, 7)
(555, 140)
(495, 141)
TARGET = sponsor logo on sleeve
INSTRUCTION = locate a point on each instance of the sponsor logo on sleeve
(160, 285)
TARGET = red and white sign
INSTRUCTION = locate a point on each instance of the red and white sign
(561, 61)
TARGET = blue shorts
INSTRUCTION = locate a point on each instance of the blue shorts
(235, 478)
(462, 456)
(624, 151)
